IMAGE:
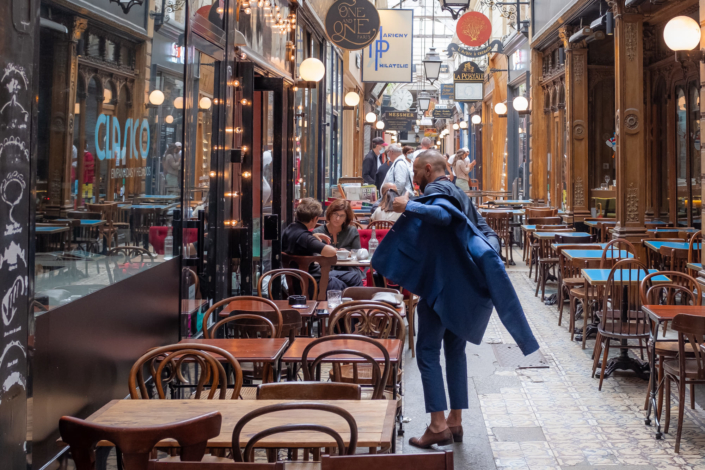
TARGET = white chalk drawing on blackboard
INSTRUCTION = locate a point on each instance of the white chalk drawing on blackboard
(11, 80)
(15, 377)
(13, 149)
(12, 191)
(12, 256)
(9, 301)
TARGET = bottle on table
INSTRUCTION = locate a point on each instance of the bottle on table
(169, 245)
(373, 242)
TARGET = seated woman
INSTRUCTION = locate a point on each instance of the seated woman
(298, 240)
(385, 211)
(342, 233)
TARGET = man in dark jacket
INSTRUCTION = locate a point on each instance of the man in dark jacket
(373, 160)
(382, 171)
(457, 292)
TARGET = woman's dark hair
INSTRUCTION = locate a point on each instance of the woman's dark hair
(341, 205)
(406, 150)
(387, 200)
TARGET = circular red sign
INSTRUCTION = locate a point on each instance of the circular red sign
(473, 29)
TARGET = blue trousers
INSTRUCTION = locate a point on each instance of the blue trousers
(431, 333)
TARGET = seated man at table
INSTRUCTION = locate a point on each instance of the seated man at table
(298, 240)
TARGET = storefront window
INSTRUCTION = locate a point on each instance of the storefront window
(109, 153)
(681, 154)
(694, 138)
(307, 120)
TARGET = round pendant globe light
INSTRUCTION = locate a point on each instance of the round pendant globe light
(682, 33)
(204, 103)
(500, 108)
(179, 103)
(463, 124)
(312, 70)
(520, 103)
(456, 126)
(370, 117)
(156, 97)
(352, 99)
(380, 125)
(169, 119)
(476, 119)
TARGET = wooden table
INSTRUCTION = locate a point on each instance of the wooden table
(587, 246)
(513, 212)
(552, 235)
(660, 314)
(50, 230)
(353, 263)
(374, 418)
(695, 266)
(594, 254)
(248, 349)
(511, 202)
(252, 306)
(656, 246)
(598, 277)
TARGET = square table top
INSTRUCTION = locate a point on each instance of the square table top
(598, 277)
(50, 230)
(594, 254)
(593, 223)
(552, 235)
(657, 245)
(665, 313)
(252, 306)
(513, 202)
(354, 263)
(694, 266)
(247, 349)
(192, 305)
(502, 211)
(86, 222)
(374, 418)
(165, 197)
(672, 230)
(528, 228)
(393, 346)
(588, 246)
(655, 222)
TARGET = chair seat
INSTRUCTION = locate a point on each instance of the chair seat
(670, 348)
(364, 374)
(580, 291)
(691, 368)
(573, 281)
(617, 329)
(548, 260)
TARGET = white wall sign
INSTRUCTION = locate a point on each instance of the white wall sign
(389, 57)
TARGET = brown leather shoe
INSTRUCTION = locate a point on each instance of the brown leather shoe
(443, 438)
(457, 432)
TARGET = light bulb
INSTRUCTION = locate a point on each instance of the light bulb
(179, 103)
(312, 70)
(500, 108)
(212, 173)
(244, 102)
(380, 125)
(682, 33)
(352, 99)
(476, 119)
(169, 119)
(156, 97)
(370, 117)
(204, 103)
(463, 124)
(456, 126)
(520, 103)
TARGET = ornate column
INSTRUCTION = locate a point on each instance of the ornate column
(701, 274)
(576, 88)
(629, 122)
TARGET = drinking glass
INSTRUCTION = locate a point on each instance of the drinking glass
(354, 254)
(334, 299)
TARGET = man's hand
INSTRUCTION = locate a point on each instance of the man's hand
(399, 204)
(322, 237)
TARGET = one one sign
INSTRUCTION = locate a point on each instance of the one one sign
(352, 24)
(389, 57)
(477, 52)
(445, 68)
(468, 80)
(399, 120)
(439, 113)
(473, 29)
(447, 91)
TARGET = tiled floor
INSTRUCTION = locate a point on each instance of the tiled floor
(566, 421)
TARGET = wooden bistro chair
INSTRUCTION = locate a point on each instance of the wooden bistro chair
(380, 224)
(568, 277)
(136, 444)
(169, 365)
(500, 222)
(654, 260)
(124, 261)
(304, 262)
(108, 212)
(546, 258)
(674, 259)
(245, 320)
(695, 251)
(664, 234)
(621, 292)
(297, 281)
(584, 293)
(248, 455)
(680, 290)
(426, 461)
(142, 219)
(685, 370)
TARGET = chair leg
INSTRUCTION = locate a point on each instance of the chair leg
(604, 363)
(571, 316)
(648, 394)
(561, 300)
(681, 412)
(692, 396)
(668, 404)
(412, 329)
(586, 306)
(659, 408)
(539, 275)
(596, 354)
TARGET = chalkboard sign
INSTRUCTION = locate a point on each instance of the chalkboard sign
(399, 120)
(442, 113)
(352, 24)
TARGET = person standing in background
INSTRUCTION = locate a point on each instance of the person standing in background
(399, 173)
(426, 144)
(462, 171)
(373, 160)
(382, 170)
(408, 151)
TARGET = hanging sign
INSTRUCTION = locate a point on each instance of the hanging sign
(468, 81)
(352, 24)
(473, 29)
(447, 92)
(399, 120)
(445, 68)
(476, 52)
(441, 113)
(389, 57)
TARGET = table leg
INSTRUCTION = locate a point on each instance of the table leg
(624, 362)
(653, 406)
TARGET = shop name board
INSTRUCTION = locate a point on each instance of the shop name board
(474, 53)
(442, 113)
(352, 24)
(399, 120)
(388, 59)
(468, 81)
(447, 92)
(134, 137)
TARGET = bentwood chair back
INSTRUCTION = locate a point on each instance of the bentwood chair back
(586, 239)
(166, 365)
(372, 374)
(249, 448)
(309, 391)
(304, 262)
(265, 310)
(380, 224)
(674, 259)
(688, 368)
(500, 222)
(137, 443)
(543, 220)
(169, 465)
(664, 234)
(534, 212)
(694, 247)
(121, 260)
(425, 461)
(367, 318)
(616, 250)
(297, 281)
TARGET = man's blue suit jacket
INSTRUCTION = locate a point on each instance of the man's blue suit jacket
(434, 251)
